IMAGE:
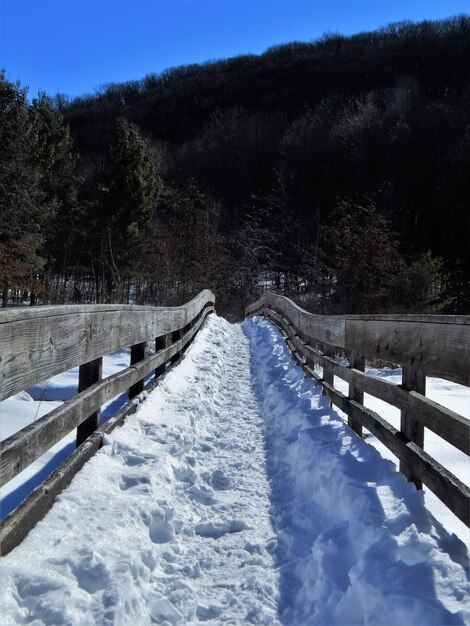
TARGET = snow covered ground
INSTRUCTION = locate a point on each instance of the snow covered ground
(237, 495)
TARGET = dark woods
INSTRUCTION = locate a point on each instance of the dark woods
(336, 172)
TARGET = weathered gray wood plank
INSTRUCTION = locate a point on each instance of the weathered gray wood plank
(25, 446)
(328, 372)
(435, 348)
(137, 354)
(413, 380)
(356, 362)
(15, 526)
(161, 343)
(445, 485)
(89, 374)
(174, 337)
(446, 423)
(36, 344)
(327, 328)
(437, 345)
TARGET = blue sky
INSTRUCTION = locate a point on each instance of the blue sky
(74, 46)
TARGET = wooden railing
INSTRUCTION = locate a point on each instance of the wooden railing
(38, 343)
(429, 345)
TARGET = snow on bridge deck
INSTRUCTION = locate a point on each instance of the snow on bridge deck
(237, 495)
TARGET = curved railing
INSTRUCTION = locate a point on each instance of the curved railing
(423, 345)
(38, 343)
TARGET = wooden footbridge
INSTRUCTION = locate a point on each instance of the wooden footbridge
(38, 343)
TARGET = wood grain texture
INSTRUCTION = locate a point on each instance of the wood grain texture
(326, 328)
(413, 380)
(438, 345)
(25, 446)
(446, 423)
(38, 343)
(357, 362)
(435, 348)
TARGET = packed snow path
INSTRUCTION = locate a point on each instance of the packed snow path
(236, 496)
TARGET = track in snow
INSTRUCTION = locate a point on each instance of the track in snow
(236, 495)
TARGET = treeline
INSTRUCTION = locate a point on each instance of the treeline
(337, 172)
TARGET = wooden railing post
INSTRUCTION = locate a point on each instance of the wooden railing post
(328, 375)
(357, 362)
(88, 374)
(137, 354)
(160, 344)
(412, 380)
(175, 336)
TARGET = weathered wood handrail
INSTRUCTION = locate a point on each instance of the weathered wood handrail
(422, 345)
(39, 343)
(437, 345)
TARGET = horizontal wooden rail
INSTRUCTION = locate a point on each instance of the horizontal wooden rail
(312, 344)
(28, 444)
(17, 524)
(42, 342)
(444, 422)
(37, 343)
(437, 345)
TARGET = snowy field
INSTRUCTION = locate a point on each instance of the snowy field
(235, 495)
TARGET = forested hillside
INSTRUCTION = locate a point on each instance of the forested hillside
(337, 172)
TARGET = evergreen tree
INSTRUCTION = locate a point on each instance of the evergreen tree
(126, 196)
(20, 210)
(58, 184)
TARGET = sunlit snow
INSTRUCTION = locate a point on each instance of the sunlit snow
(236, 495)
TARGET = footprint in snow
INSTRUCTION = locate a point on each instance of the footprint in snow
(219, 480)
(90, 574)
(134, 459)
(128, 454)
(185, 474)
(149, 429)
(127, 482)
(202, 495)
(161, 530)
(205, 613)
(215, 530)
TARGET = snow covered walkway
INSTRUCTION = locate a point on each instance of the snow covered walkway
(236, 496)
